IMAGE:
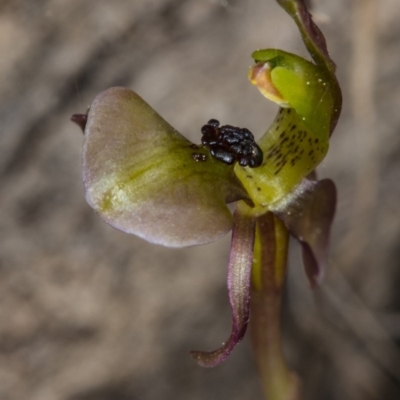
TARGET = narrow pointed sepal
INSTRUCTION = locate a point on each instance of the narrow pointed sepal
(145, 178)
(315, 43)
(239, 271)
(312, 36)
(308, 215)
(80, 120)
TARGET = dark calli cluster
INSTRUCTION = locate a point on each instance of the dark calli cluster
(231, 144)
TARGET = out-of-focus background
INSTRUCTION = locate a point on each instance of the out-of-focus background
(90, 313)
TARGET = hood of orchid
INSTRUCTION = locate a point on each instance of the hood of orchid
(298, 139)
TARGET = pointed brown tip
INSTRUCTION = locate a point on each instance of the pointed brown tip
(80, 120)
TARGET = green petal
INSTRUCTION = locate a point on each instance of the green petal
(145, 178)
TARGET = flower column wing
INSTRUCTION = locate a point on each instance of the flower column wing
(145, 178)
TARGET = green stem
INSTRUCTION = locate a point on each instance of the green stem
(268, 275)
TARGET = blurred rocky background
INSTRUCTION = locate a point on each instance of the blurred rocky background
(90, 313)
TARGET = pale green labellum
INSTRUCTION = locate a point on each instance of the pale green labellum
(145, 178)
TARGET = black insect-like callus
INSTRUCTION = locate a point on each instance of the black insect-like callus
(230, 144)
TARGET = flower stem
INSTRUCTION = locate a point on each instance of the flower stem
(268, 276)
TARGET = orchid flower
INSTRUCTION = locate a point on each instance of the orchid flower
(143, 177)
